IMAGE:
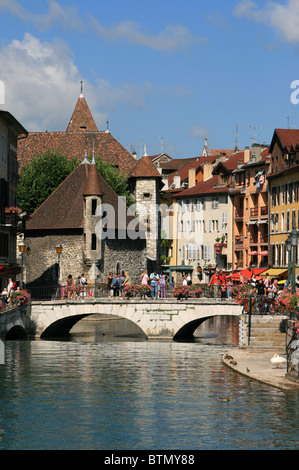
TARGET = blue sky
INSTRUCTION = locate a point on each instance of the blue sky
(170, 69)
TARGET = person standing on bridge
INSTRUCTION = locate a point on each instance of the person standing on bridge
(154, 277)
(70, 287)
(214, 282)
(163, 280)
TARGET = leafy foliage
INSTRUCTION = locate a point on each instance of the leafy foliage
(40, 177)
(45, 172)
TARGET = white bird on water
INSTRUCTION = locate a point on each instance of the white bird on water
(276, 359)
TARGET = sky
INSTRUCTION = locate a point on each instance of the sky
(163, 73)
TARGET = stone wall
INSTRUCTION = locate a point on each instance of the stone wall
(147, 198)
(41, 267)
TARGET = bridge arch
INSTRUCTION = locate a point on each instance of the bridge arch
(16, 332)
(161, 319)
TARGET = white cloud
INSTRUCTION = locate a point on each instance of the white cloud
(173, 37)
(283, 18)
(42, 85)
(67, 17)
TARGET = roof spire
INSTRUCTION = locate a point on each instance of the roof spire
(85, 159)
(107, 130)
(93, 159)
(81, 94)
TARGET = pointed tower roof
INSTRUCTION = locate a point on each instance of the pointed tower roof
(82, 120)
(93, 187)
(144, 168)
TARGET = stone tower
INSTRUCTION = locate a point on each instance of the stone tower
(146, 182)
(92, 194)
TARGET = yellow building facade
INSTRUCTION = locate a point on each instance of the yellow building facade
(283, 180)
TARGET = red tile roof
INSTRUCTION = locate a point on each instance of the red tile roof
(204, 187)
(81, 120)
(63, 209)
(186, 163)
(144, 168)
(81, 135)
(93, 187)
(286, 137)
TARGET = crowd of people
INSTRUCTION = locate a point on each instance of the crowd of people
(222, 285)
(117, 283)
(74, 289)
(7, 293)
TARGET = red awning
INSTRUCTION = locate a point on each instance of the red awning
(247, 273)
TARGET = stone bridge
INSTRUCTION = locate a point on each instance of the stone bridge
(169, 319)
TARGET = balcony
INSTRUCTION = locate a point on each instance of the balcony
(255, 211)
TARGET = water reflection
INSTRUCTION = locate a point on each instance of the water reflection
(109, 392)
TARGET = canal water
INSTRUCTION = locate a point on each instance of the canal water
(101, 390)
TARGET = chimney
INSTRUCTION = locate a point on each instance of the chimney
(246, 154)
(207, 171)
(134, 154)
(191, 177)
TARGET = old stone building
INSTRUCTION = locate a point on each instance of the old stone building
(97, 232)
(146, 183)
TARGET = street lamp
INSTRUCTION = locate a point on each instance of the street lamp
(58, 249)
(22, 249)
(289, 248)
(294, 235)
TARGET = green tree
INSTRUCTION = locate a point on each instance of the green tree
(45, 172)
(115, 178)
(40, 177)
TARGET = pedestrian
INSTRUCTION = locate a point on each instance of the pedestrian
(144, 282)
(10, 288)
(121, 282)
(186, 288)
(273, 290)
(260, 288)
(222, 283)
(70, 287)
(4, 295)
(253, 280)
(267, 282)
(115, 285)
(154, 277)
(163, 280)
(189, 280)
(62, 294)
(214, 282)
(109, 284)
(229, 287)
(83, 284)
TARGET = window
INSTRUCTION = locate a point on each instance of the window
(93, 241)
(146, 195)
(93, 206)
(224, 219)
(215, 203)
